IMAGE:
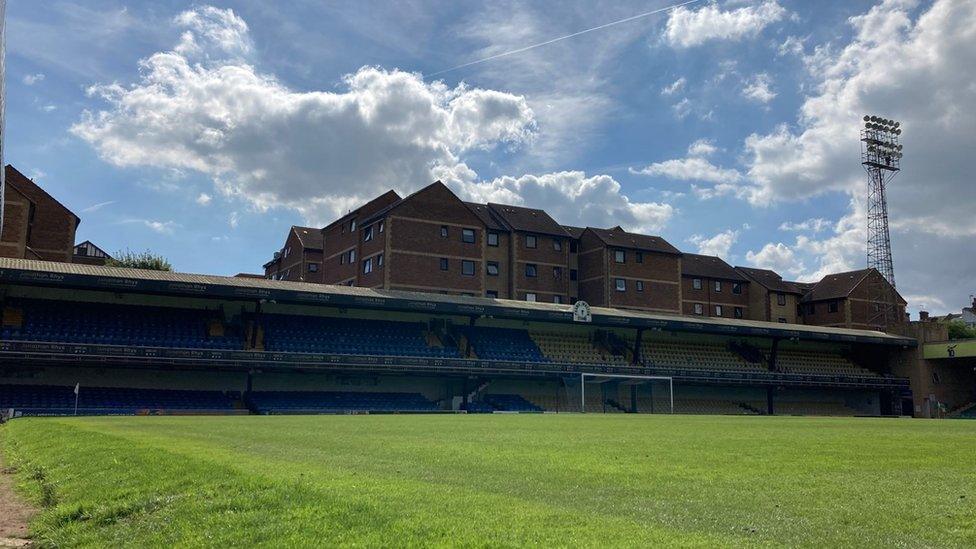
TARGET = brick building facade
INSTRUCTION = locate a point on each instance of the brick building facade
(432, 241)
(35, 225)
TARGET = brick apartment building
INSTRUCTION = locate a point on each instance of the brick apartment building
(432, 241)
(35, 225)
(852, 300)
(712, 287)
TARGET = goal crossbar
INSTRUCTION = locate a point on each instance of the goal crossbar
(583, 377)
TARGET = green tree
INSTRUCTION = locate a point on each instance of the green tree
(139, 260)
(959, 330)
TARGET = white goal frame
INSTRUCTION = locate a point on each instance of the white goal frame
(583, 377)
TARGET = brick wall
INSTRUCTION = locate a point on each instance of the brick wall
(34, 219)
(708, 297)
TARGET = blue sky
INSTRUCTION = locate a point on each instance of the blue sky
(203, 131)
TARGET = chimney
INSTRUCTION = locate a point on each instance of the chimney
(923, 316)
(973, 299)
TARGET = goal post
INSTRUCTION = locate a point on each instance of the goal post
(625, 378)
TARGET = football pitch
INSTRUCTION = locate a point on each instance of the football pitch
(497, 480)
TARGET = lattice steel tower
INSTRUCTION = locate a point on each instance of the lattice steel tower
(881, 158)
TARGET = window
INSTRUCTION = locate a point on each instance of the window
(342, 259)
(811, 308)
(379, 260)
(531, 241)
(444, 231)
(492, 293)
(737, 312)
(573, 274)
(782, 321)
(531, 270)
(639, 257)
(368, 265)
(313, 267)
(573, 247)
(737, 288)
(781, 299)
(698, 308)
(620, 256)
(492, 239)
(530, 297)
(640, 285)
(832, 307)
(492, 268)
(443, 263)
(368, 234)
(557, 299)
(557, 273)
(352, 257)
(718, 310)
(287, 251)
(557, 244)
(696, 283)
(352, 225)
(620, 284)
(381, 225)
(718, 285)
(467, 267)
(467, 236)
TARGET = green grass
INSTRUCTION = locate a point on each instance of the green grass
(566, 480)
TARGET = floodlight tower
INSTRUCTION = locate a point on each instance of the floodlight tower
(881, 157)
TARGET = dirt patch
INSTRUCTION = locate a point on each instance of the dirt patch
(14, 512)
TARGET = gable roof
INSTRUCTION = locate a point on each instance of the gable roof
(574, 232)
(622, 239)
(771, 280)
(21, 182)
(837, 285)
(529, 220)
(709, 266)
(382, 212)
(373, 209)
(484, 214)
(310, 238)
(88, 244)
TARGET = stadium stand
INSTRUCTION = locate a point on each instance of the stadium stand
(809, 362)
(510, 403)
(40, 320)
(681, 354)
(325, 402)
(287, 333)
(574, 349)
(503, 344)
(60, 400)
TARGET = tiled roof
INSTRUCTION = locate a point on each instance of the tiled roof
(574, 232)
(771, 280)
(529, 220)
(622, 239)
(484, 214)
(708, 266)
(835, 286)
(310, 238)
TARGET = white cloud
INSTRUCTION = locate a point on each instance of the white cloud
(161, 227)
(573, 199)
(204, 199)
(702, 147)
(31, 79)
(37, 173)
(814, 225)
(687, 28)
(234, 219)
(791, 46)
(49, 108)
(674, 87)
(758, 88)
(719, 244)
(96, 207)
(316, 152)
(207, 27)
(682, 108)
(778, 257)
(693, 167)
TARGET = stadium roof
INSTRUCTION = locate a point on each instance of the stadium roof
(92, 277)
(621, 238)
(709, 266)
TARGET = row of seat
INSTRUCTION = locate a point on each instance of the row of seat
(56, 399)
(270, 402)
(285, 333)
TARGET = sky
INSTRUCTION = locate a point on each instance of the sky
(204, 131)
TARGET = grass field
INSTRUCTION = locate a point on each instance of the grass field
(595, 480)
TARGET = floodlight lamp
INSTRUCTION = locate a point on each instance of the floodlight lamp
(897, 124)
(867, 118)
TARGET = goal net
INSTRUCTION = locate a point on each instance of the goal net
(609, 393)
